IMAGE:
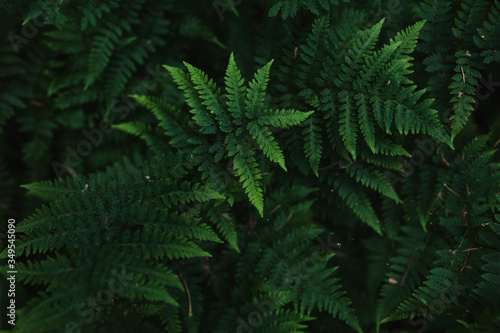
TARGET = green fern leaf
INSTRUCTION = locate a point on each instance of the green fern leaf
(313, 142)
(266, 142)
(256, 90)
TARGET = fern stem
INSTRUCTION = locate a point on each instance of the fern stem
(190, 311)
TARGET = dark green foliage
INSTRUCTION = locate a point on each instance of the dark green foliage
(290, 8)
(251, 166)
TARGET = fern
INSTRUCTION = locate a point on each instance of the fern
(93, 224)
(389, 104)
(241, 121)
(454, 263)
(375, 183)
(281, 280)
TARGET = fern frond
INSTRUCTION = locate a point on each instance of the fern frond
(389, 103)
(462, 89)
(373, 178)
(313, 142)
(210, 96)
(102, 49)
(257, 91)
(282, 118)
(200, 115)
(246, 167)
(267, 143)
(236, 91)
(358, 202)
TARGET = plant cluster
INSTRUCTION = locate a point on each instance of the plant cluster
(265, 166)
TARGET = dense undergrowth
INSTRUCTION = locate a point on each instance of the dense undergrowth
(250, 166)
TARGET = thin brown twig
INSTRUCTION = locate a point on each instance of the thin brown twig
(287, 220)
(464, 212)
(471, 249)
(449, 189)
(408, 268)
(275, 208)
(444, 160)
(328, 166)
(467, 257)
(496, 143)
(439, 148)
